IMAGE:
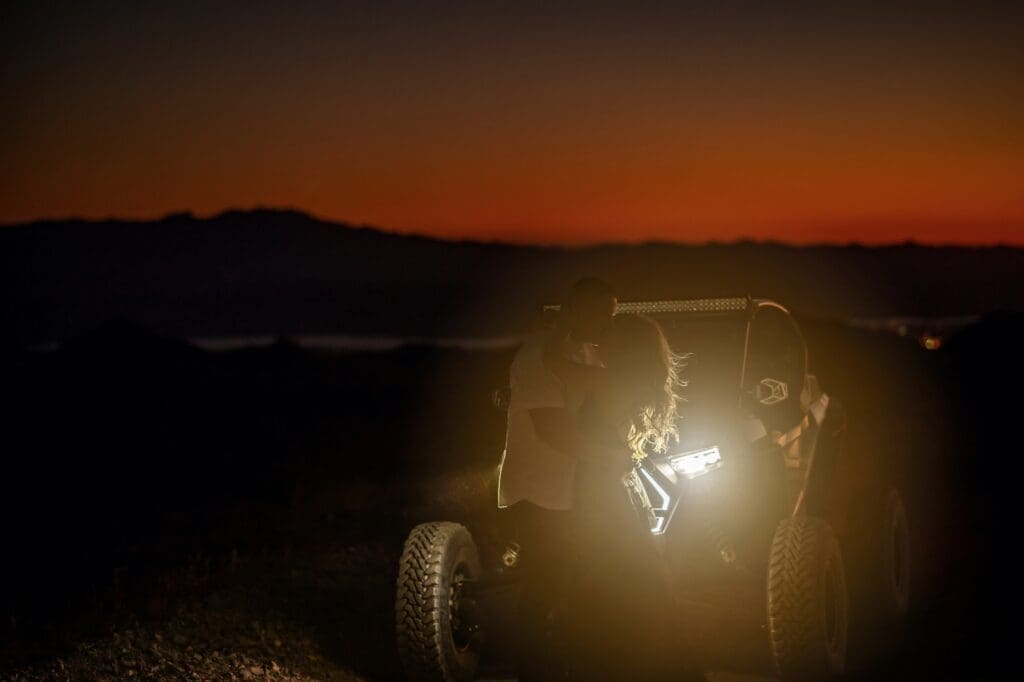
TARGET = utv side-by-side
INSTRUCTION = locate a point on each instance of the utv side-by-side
(750, 498)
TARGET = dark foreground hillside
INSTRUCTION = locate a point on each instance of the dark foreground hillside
(284, 272)
(170, 510)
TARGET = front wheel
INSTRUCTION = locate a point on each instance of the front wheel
(437, 642)
(808, 610)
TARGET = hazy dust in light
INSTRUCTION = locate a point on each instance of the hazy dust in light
(525, 123)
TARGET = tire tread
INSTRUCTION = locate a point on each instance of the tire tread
(420, 616)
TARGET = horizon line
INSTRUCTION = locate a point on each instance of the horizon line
(516, 243)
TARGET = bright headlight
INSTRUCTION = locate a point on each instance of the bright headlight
(693, 464)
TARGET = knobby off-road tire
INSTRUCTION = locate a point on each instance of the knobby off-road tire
(808, 610)
(880, 564)
(892, 561)
(431, 646)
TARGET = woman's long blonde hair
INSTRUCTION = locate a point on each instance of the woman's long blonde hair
(639, 354)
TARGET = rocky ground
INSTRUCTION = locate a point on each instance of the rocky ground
(322, 617)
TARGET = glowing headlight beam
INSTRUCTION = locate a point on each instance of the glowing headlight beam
(693, 464)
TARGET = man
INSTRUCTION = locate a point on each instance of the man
(536, 478)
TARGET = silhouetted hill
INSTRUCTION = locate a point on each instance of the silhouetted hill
(284, 272)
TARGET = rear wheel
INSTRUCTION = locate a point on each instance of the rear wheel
(437, 641)
(893, 559)
(882, 580)
(808, 610)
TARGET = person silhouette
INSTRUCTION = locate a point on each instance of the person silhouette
(536, 479)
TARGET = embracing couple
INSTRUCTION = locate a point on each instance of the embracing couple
(589, 396)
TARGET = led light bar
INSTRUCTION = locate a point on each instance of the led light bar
(695, 305)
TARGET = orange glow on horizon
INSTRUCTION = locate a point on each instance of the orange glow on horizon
(509, 128)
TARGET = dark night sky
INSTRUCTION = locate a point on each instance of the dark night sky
(547, 122)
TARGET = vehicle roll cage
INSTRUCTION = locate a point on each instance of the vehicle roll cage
(733, 305)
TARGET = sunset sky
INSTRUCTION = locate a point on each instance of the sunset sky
(521, 122)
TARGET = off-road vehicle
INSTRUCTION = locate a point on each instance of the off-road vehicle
(748, 508)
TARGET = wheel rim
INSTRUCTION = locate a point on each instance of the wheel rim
(462, 636)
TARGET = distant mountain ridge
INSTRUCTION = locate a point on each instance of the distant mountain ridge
(285, 272)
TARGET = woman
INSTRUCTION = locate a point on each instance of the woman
(620, 610)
